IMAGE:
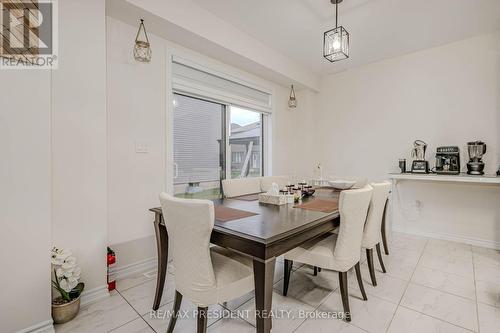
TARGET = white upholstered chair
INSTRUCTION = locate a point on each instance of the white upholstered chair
(372, 236)
(337, 252)
(205, 275)
(267, 182)
(240, 186)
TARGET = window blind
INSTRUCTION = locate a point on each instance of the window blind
(196, 80)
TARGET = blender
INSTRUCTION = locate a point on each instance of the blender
(419, 164)
(476, 150)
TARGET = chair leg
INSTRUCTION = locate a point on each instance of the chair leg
(360, 281)
(286, 277)
(319, 269)
(384, 235)
(379, 254)
(315, 271)
(369, 258)
(202, 320)
(177, 305)
(345, 295)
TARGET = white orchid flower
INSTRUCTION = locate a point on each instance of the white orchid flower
(65, 285)
(72, 283)
(59, 272)
(70, 260)
(69, 263)
(55, 260)
(68, 273)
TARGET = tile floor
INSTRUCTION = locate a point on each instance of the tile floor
(430, 286)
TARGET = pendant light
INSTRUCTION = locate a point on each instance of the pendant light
(336, 41)
(292, 101)
(142, 48)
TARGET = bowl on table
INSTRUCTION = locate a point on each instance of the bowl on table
(342, 184)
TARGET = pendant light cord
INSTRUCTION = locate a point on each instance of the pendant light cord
(336, 13)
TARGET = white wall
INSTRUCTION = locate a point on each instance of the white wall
(25, 239)
(138, 107)
(79, 198)
(53, 176)
(369, 116)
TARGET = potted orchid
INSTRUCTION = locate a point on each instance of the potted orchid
(65, 281)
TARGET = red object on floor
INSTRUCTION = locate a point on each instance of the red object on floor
(111, 264)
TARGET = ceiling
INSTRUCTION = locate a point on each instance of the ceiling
(379, 29)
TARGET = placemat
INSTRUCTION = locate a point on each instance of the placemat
(226, 214)
(320, 205)
(248, 197)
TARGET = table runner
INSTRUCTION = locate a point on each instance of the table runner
(226, 214)
(320, 205)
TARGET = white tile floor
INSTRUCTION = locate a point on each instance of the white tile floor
(430, 286)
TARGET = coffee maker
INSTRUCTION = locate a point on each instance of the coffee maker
(476, 150)
(448, 160)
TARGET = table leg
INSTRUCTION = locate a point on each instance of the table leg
(263, 278)
(162, 251)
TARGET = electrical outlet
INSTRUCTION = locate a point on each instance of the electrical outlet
(141, 148)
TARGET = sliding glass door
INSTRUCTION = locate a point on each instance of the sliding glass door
(205, 132)
(199, 147)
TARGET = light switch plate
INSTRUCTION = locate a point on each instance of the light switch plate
(141, 148)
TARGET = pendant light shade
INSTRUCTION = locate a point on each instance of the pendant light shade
(292, 101)
(336, 41)
(142, 48)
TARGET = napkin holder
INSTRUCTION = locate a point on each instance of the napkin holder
(278, 200)
(273, 197)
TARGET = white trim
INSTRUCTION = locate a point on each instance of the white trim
(94, 295)
(41, 327)
(445, 236)
(137, 267)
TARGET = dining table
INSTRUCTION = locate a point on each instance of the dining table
(266, 234)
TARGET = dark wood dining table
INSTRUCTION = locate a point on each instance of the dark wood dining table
(265, 236)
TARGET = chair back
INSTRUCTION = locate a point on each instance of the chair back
(267, 182)
(240, 186)
(372, 235)
(353, 208)
(189, 225)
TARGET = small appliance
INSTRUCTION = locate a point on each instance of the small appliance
(402, 165)
(476, 150)
(419, 164)
(448, 160)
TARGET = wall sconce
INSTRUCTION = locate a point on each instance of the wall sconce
(292, 101)
(142, 48)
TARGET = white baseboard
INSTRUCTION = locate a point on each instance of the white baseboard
(445, 236)
(93, 295)
(42, 327)
(137, 267)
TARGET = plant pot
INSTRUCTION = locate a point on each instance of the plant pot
(62, 313)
